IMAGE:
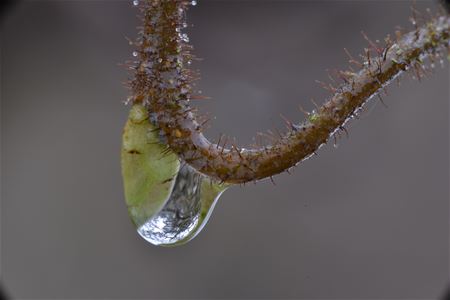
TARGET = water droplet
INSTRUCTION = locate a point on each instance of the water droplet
(186, 212)
(189, 62)
(160, 60)
(135, 2)
(180, 214)
(135, 53)
(128, 100)
(184, 37)
(194, 2)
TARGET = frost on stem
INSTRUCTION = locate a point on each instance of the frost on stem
(163, 83)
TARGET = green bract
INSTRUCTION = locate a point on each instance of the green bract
(169, 206)
(148, 174)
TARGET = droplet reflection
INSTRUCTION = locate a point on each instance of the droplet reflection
(186, 211)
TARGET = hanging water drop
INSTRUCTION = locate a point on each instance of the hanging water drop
(193, 2)
(135, 2)
(186, 212)
(135, 54)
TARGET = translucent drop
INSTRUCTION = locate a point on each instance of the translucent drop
(184, 37)
(128, 100)
(135, 53)
(135, 2)
(194, 2)
(179, 215)
(186, 212)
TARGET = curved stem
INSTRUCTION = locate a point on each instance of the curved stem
(163, 83)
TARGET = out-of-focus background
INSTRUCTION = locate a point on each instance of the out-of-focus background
(368, 219)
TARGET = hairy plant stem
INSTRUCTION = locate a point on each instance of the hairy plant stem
(163, 83)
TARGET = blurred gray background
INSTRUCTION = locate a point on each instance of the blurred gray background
(366, 220)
